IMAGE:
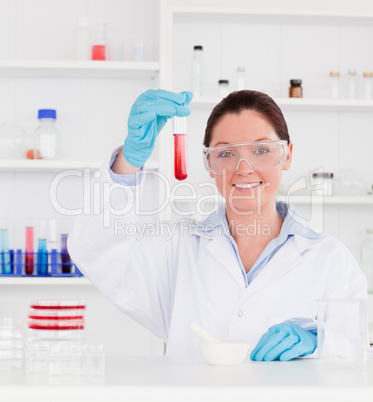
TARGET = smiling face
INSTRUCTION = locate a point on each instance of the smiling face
(245, 189)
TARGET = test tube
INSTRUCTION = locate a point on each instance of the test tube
(180, 148)
(52, 235)
(29, 254)
(65, 257)
(42, 264)
(5, 255)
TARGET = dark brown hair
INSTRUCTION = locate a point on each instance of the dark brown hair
(237, 101)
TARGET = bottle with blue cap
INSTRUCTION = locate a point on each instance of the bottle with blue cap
(46, 134)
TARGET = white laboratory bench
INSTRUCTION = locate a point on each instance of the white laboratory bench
(191, 379)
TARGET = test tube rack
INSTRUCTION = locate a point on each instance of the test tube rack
(56, 264)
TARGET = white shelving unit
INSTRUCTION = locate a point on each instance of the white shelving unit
(302, 104)
(43, 281)
(77, 69)
(334, 200)
(47, 166)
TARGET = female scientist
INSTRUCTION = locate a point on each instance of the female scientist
(257, 287)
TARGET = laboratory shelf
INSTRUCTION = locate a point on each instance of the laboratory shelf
(35, 280)
(300, 104)
(46, 166)
(201, 13)
(293, 199)
(78, 69)
(335, 200)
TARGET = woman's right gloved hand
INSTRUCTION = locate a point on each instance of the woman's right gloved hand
(148, 116)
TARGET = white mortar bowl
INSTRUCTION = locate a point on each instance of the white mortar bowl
(225, 353)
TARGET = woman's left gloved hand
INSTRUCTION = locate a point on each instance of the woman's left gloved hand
(284, 342)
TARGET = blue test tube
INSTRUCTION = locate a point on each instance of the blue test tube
(6, 267)
(42, 263)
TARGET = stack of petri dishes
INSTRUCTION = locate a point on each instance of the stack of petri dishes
(55, 344)
(11, 343)
(56, 319)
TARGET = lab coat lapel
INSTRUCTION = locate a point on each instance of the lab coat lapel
(286, 258)
(222, 250)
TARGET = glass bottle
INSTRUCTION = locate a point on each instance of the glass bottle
(197, 69)
(223, 88)
(46, 134)
(368, 78)
(82, 39)
(334, 78)
(366, 255)
(241, 78)
(352, 84)
(295, 90)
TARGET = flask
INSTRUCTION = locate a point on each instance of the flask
(82, 39)
(368, 78)
(197, 66)
(241, 78)
(223, 88)
(99, 42)
(295, 90)
(366, 256)
(46, 134)
(352, 84)
(334, 77)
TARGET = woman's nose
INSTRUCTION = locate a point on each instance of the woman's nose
(243, 167)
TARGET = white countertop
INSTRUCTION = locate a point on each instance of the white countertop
(191, 379)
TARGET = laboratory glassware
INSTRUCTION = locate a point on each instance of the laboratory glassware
(366, 258)
(6, 267)
(42, 256)
(46, 134)
(324, 182)
(197, 71)
(223, 86)
(82, 39)
(342, 331)
(351, 84)
(335, 84)
(368, 78)
(138, 50)
(180, 148)
(240, 78)
(29, 252)
(295, 90)
(11, 343)
(99, 42)
(65, 257)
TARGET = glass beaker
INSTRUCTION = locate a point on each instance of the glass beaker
(342, 330)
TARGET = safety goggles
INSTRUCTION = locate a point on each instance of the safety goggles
(260, 156)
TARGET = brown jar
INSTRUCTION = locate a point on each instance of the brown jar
(295, 90)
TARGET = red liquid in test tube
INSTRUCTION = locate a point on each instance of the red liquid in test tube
(180, 148)
(29, 254)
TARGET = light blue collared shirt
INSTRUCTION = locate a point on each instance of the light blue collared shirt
(293, 224)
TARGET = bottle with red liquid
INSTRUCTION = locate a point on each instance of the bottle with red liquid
(99, 48)
(180, 148)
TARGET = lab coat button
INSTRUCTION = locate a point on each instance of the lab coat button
(240, 313)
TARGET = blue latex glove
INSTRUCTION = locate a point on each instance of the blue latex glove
(284, 342)
(148, 116)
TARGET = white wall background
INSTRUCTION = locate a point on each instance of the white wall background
(92, 113)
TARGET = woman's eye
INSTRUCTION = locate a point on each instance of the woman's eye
(261, 151)
(225, 154)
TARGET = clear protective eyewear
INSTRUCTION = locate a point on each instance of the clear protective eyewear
(260, 156)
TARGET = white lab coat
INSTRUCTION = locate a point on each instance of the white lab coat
(165, 284)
